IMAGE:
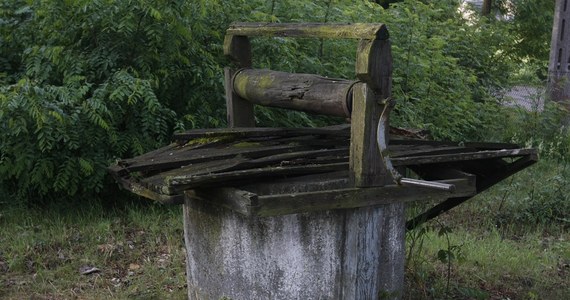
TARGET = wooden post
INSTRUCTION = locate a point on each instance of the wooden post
(559, 66)
(370, 100)
(239, 110)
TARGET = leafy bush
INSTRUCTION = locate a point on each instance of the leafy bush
(84, 82)
(84, 86)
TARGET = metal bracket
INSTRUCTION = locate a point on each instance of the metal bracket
(385, 155)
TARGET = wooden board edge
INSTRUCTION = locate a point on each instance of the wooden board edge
(273, 205)
(140, 190)
(240, 201)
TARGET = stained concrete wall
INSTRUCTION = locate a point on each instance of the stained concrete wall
(343, 254)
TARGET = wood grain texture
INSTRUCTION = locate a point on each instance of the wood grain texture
(239, 111)
(310, 30)
(366, 165)
(303, 92)
(280, 204)
(374, 68)
(238, 50)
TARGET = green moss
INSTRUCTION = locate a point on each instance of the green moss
(246, 145)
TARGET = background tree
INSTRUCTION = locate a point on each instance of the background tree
(85, 82)
(486, 9)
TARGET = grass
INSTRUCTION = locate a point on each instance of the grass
(497, 250)
(511, 242)
(488, 265)
(138, 249)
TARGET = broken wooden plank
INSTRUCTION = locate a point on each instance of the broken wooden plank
(180, 159)
(139, 189)
(484, 182)
(172, 184)
(433, 159)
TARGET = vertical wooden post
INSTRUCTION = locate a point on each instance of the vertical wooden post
(374, 68)
(559, 66)
(239, 111)
(378, 233)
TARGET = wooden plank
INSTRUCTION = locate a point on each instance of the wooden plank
(310, 30)
(301, 184)
(240, 201)
(262, 131)
(490, 146)
(429, 151)
(433, 159)
(175, 183)
(304, 92)
(396, 140)
(149, 155)
(281, 204)
(138, 189)
(182, 159)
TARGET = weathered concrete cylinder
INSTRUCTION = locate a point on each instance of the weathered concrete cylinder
(304, 92)
(338, 254)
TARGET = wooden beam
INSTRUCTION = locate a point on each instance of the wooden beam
(239, 110)
(303, 92)
(432, 159)
(310, 30)
(238, 50)
(374, 66)
(366, 165)
(272, 204)
(370, 101)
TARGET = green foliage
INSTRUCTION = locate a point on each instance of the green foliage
(446, 69)
(59, 139)
(84, 82)
(531, 27)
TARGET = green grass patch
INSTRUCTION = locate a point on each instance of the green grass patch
(509, 242)
(138, 250)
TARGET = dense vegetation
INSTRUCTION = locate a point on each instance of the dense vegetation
(85, 82)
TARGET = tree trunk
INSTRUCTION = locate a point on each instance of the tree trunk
(486, 10)
(559, 66)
